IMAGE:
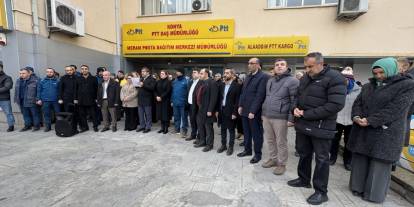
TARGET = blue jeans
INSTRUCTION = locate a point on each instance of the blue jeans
(46, 108)
(31, 116)
(253, 131)
(180, 118)
(7, 109)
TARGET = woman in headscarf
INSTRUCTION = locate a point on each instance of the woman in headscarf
(129, 100)
(163, 101)
(379, 115)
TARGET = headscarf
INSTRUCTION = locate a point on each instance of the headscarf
(389, 65)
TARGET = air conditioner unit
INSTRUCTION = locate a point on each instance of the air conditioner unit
(65, 18)
(200, 5)
(349, 10)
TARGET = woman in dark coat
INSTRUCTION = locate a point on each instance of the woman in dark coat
(380, 115)
(163, 101)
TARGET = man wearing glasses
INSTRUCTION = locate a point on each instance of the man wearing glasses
(250, 110)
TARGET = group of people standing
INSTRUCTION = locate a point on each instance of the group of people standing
(322, 104)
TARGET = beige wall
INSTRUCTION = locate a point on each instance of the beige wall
(386, 30)
(100, 33)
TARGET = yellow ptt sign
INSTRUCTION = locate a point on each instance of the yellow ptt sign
(206, 29)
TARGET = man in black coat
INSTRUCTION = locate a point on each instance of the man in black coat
(206, 100)
(6, 84)
(192, 105)
(250, 108)
(67, 90)
(108, 99)
(228, 105)
(85, 97)
(145, 100)
(321, 95)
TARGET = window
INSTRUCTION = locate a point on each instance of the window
(155, 7)
(299, 3)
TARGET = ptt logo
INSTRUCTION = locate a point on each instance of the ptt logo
(134, 31)
(219, 28)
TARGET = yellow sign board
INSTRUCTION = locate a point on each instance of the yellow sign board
(271, 46)
(193, 48)
(3, 17)
(205, 29)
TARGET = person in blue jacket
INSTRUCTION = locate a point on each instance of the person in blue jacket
(47, 96)
(179, 102)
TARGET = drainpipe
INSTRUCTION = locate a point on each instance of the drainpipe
(118, 35)
(35, 18)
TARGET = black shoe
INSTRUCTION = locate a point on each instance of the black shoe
(244, 154)
(105, 129)
(241, 144)
(47, 129)
(126, 129)
(332, 162)
(114, 129)
(207, 148)
(199, 145)
(36, 129)
(95, 129)
(298, 183)
(317, 198)
(146, 131)
(229, 151)
(160, 131)
(195, 142)
(189, 138)
(348, 167)
(142, 129)
(165, 131)
(26, 128)
(10, 129)
(222, 149)
(255, 160)
(357, 194)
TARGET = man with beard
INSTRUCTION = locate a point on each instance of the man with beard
(47, 96)
(207, 95)
(85, 97)
(229, 101)
(67, 89)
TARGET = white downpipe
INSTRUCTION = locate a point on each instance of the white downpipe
(35, 18)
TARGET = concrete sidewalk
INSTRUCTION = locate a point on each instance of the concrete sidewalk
(136, 169)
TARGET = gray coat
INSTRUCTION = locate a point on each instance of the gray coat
(344, 116)
(280, 97)
(386, 108)
(30, 92)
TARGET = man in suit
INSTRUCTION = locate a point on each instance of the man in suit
(192, 105)
(145, 100)
(108, 99)
(228, 105)
(207, 95)
(250, 109)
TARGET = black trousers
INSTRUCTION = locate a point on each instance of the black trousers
(131, 117)
(306, 146)
(345, 130)
(228, 124)
(205, 130)
(239, 126)
(193, 122)
(84, 111)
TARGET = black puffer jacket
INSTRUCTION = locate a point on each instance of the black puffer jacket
(321, 97)
(6, 83)
(86, 90)
(386, 108)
